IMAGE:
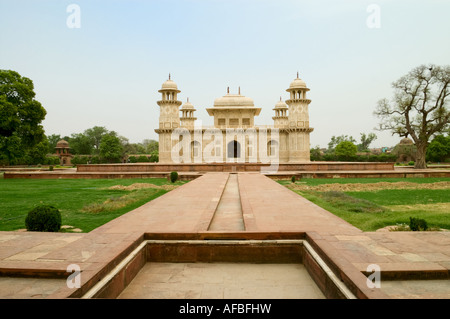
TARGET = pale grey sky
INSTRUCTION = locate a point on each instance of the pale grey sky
(108, 71)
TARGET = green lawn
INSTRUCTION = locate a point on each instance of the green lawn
(84, 203)
(319, 181)
(391, 197)
(371, 210)
(88, 203)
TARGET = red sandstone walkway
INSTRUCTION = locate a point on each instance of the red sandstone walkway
(266, 206)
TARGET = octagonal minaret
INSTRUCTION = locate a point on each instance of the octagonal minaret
(281, 114)
(298, 121)
(169, 118)
(187, 115)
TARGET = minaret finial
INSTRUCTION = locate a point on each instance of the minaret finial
(280, 98)
(239, 91)
(228, 89)
(169, 76)
(297, 74)
(188, 100)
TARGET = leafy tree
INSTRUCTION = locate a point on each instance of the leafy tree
(81, 144)
(111, 148)
(80, 159)
(96, 134)
(346, 150)
(131, 148)
(20, 117)
(419, 108)
(315, 154)
(366, 140)
(94, 160)
(127, 148)
(52, 141)
(439, 149)
(150, 146)
(124, 141)
(154, 158)
(139, 148)
(11, 150)
(52, 160)
(37, 154)
(136, 148)
(335, 140)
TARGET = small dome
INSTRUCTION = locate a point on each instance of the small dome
(406, 141)
(169, 85)
(281, 105)
(231, 100)
(187, 106)
(62, 143)
(298, 84)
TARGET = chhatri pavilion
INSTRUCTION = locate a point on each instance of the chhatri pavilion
(234, 136)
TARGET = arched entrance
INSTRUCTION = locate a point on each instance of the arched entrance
(272, 148)
(195, 150)
(234, 149)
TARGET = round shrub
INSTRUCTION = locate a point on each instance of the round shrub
(417, 224)
(173, 177)
(143, 159)
(43, 218)
(132, 159)
(293, 179)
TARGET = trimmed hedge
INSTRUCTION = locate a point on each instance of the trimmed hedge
(44, 218)
(173, 177)
(358, 158)
(417, 224)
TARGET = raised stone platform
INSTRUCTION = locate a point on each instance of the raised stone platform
(236, 167)
(72, 174)
(396, 173)
(121, 171)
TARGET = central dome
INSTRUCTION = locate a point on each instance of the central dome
(233, 100)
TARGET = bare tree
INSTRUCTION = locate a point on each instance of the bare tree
(419, 108)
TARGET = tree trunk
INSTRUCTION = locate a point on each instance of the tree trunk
(420, 155)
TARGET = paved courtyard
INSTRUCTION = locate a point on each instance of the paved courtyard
(222, 281)
(265, 206)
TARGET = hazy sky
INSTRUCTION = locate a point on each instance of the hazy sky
(108, 71)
